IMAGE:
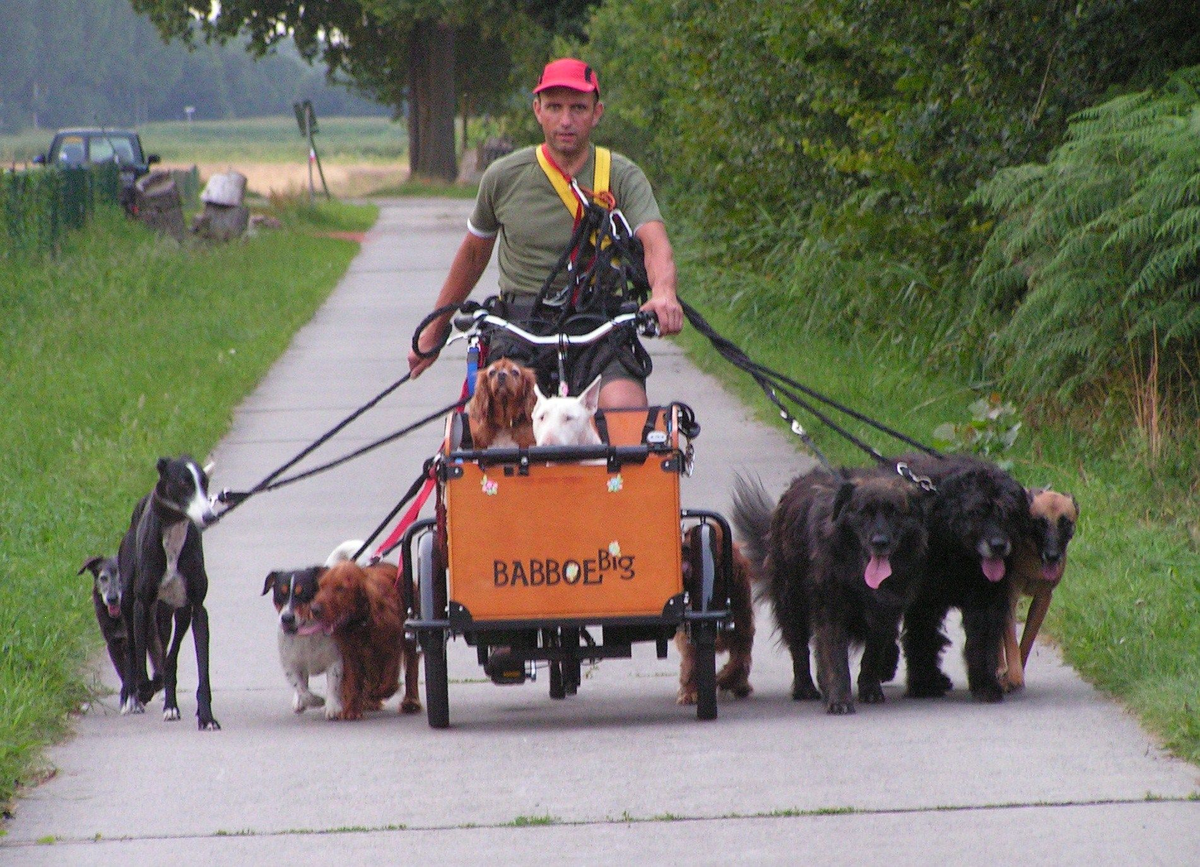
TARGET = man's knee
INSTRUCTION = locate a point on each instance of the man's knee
(622, 392)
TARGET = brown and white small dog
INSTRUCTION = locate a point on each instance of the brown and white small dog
(361, 606)
(567, 421)
(734, 677)
(306, 649)
(500, 411)
(1038, 565)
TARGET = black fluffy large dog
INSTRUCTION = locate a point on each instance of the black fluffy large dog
(839, 558)
(977, 516)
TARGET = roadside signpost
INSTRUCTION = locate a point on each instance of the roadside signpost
(306, 119)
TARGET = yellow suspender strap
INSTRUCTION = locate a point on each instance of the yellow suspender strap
(603, 170)
(563, 187)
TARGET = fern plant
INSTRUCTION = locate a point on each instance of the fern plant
(1096, 253)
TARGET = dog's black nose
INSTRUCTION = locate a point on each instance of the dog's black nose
(999, 545)
(288, 619)
(880, 540)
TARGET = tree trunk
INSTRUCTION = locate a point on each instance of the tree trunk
(431, 101)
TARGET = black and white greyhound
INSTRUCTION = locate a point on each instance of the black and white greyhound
(161, 560)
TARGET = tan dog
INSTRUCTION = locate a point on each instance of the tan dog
(1038, 564)
(500, 412)
(734, 677)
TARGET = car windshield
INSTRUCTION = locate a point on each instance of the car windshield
(104, 148)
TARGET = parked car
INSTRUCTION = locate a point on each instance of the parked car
(72, 148)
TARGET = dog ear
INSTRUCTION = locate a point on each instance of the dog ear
(529, 388)
(1075, 506)
(842, 498)
(537, 391)
(480, 407)
(162, 465)
(591, 396)
(270, 582)
(91, 565)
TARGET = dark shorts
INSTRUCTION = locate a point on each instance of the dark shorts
(620, 357)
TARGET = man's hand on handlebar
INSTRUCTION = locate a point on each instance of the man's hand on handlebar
(668, 312)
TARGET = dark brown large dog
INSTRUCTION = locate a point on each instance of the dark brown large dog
(1038, 565)
(361, 605)
(734, 676)
(976, 518)
(839, 557)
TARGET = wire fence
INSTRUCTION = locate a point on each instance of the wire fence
(39, 206)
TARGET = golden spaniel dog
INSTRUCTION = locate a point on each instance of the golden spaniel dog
(500, 412)
(734, 677)
(361, 606)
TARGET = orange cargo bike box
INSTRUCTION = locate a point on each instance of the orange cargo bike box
(534, 549)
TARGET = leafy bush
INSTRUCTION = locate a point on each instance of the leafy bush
(1093, 270)
(835, 141)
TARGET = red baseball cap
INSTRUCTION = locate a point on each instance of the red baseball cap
(568, 72)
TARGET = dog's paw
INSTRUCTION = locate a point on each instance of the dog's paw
(303, 701)
(805, 692)
(840, 708)
(132, 705)
(208, 725)
(686, 695)
(170, 714)
(926, 689)
(871, 694)
(735, 679)
(989, 693)
(410, 705)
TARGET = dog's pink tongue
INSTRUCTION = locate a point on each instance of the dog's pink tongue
(993, 568)
(877, 569)
(114, 610)
(311, 628)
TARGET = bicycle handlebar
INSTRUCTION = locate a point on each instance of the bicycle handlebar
(646, 324)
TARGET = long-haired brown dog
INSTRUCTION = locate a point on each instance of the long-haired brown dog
(500, 412)
(734, 676)
(839, 557)
(361, 605)
(1038, 564)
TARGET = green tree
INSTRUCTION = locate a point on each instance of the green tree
(833, 143)
(402, 51)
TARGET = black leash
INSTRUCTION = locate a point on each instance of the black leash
(408, 495)
(236, 498)
(773, 383)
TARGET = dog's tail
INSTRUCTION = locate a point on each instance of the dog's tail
(343, 552)
(752, 510)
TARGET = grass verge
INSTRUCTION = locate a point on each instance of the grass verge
(1128, 612)
(96, 387)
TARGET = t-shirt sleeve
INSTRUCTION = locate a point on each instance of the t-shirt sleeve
(483, 222)
(635, 196)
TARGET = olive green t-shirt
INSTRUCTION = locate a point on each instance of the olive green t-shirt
(518, 204)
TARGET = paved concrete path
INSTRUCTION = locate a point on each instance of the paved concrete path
(618, 774)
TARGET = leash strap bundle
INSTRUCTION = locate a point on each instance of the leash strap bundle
(773, 383)
(272, 482)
